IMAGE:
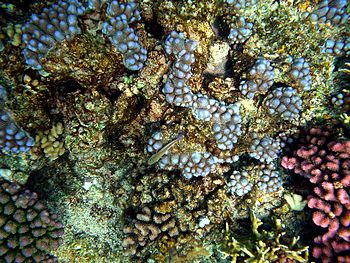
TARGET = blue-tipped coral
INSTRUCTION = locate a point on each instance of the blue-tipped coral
(269, 179)
(175, 89)
(12, 137)
(122, 36)
(155, 143)
(284, 102)
(300, 73)
(239, 183)
(260, 79)
(240, 30)
(265, 149)
(239, 5)
(94, 5)
(264, 177)
(337, 47)
(329, 11)
(191, 164)
(226, 119)
(44, 31)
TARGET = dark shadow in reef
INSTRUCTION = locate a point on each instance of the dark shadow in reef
(55, 182)
(68, 86)
(154, 28)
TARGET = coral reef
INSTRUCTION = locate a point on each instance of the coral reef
(327, 165)
(28, 231)
(158, 121)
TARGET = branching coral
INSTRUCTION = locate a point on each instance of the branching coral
(147, 227)
(326, 163)
(28, 232)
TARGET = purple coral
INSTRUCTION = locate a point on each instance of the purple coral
(28, 232)
(327, 165)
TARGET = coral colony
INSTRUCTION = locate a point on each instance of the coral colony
(28, 231)
(12, 137)
(169, 127)
(326, 163)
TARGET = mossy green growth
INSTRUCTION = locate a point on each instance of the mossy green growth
(81, 250)
(263, 246)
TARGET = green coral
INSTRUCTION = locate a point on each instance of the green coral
(263, 246)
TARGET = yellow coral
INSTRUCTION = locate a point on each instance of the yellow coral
(50, 142)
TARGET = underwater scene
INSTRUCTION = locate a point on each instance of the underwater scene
(175, 131)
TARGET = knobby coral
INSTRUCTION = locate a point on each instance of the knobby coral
(326, 163)
(28, 232)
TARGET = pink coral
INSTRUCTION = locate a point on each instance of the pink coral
(288, 163)
(326, 164)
